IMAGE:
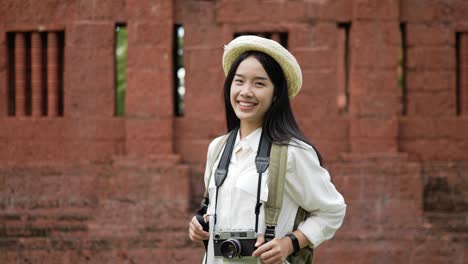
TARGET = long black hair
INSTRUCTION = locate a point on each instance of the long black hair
(279, 123)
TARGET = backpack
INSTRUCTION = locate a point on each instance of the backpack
(276, 174)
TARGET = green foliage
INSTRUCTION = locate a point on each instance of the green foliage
(180, 75)
(121, 65)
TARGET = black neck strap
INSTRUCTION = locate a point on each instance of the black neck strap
(263, 153)
(261, 162)
(223, 165)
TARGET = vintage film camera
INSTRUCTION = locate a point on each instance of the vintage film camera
(232, 244)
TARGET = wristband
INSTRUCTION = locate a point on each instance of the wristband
(295, 243)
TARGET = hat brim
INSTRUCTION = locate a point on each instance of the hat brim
(285, 59)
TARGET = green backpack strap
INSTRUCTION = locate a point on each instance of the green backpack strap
(217, 150)
(277, 176)
(305, 255)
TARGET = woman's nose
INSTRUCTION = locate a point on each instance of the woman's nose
(246, 90)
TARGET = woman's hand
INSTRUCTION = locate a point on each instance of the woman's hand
(196, 232)
(274, 252)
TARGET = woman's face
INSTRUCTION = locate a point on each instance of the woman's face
(251, 92)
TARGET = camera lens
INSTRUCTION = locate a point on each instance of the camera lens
(230, 248)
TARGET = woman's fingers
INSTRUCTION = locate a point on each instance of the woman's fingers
(197, 235)
(196, 232)
(273, 252)
(260, 240)
(262, 247)
(271, 256)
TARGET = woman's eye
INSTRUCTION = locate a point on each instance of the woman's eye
(238, 81)
(260, 84)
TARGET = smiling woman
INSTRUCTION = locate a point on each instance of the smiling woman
(264, 145)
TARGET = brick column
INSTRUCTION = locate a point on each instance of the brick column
(374, 93)
(36, 74)
(149, 96)
(20, 74)
(89, 70)
(52, 74)
(382, 187)
(463, 68)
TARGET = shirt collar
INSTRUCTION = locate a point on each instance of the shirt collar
(251, 141)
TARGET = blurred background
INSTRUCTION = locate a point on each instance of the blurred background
(107, 108)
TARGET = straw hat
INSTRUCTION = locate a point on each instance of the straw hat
(286, 60)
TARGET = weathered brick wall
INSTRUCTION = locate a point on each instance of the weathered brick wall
(126, 211)
(91, 187)
(431, 130)
(89, 130)
(397, 156)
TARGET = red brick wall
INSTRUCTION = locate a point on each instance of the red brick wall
(91, 187)
(402, 174)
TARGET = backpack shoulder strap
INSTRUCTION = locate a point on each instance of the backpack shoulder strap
(217, 151)
(306, 254)
(276, 177)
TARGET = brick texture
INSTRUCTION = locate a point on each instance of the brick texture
(90, 187)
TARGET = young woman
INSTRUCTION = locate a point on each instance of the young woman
(262, 78)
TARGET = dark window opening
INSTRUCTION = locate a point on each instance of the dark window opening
(462, 73)
(280, 37)
(179, 70)
(60, 70)
(458, 73)
(121, 37)
(402, 70)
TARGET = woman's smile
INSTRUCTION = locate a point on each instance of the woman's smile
(246, 106)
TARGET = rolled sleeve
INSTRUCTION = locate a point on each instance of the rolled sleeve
(309, 185)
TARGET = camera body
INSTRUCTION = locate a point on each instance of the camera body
(235, 243)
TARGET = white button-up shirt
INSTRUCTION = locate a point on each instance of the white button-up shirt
(307, 185)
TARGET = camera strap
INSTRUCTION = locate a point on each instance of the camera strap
(261, 162)
(223, 166)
